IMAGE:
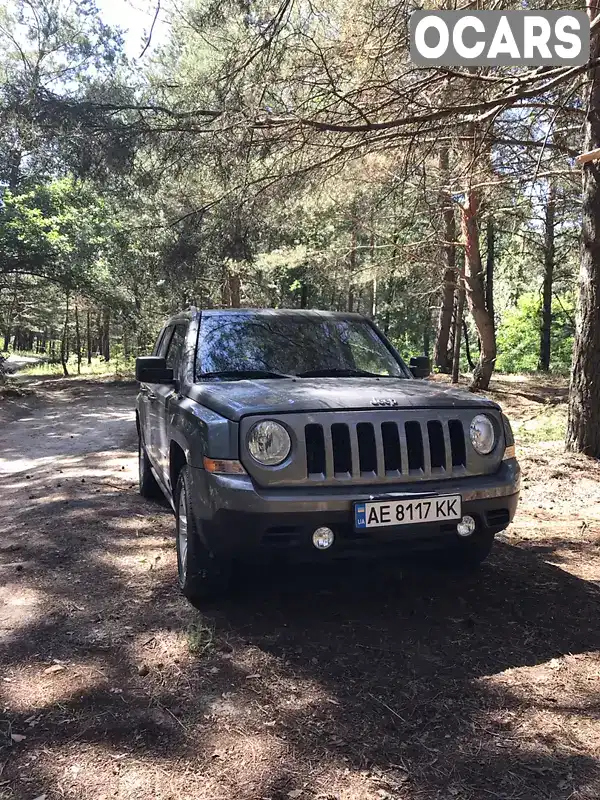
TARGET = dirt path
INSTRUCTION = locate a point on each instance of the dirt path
(362, 684)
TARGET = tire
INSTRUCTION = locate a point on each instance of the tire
(201, 576)
(470, 553)
(148, 485)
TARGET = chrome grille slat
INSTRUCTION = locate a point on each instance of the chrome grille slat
(379, 451)
(426, 449)
(354, 451)
(403, 449)
(447, 447)
(328, 451)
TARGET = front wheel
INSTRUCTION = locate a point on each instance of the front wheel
(201, 576)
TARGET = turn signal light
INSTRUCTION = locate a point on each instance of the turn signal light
(510, 452)
(223, 466)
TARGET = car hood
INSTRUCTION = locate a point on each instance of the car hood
(236, 399)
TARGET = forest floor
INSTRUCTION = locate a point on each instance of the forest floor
(360, 683)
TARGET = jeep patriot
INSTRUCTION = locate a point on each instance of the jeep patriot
(304, 435)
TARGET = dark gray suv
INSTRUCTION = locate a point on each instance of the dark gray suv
(304, 435)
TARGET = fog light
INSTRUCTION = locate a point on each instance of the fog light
(466, 526)
(323, 538)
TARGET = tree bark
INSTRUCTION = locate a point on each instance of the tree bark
(583, 426)
(467, 345)
(352, 267)
(106, 334)
(304, 295)
(458, 319)
(89, 337)
(426, 337)
(476, 294)
(549, 252)
(63, 342)
(235, 290)
(442, 352)
(77, 340)
(489, 266)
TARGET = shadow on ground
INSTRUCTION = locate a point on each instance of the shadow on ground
(357, 681)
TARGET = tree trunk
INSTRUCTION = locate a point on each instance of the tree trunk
(458, 318)
(489, 267)
(89, 337)
(426, 337)
(105, 343)
(546, 330)
(476, 294)
(11, 312)
(442, 352)
(63, 342)
(304, 295)
(235, 290)
(77, 340)
(467, 345)
(352, 268)
(583, 426)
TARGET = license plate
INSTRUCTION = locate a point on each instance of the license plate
(380, 513)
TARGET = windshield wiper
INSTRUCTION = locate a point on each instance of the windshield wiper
(339, 373)
(242, 374)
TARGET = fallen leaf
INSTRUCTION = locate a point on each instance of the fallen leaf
(295, 793)
(17, 737)
(54, 668)
(248, 677)
(40, 797)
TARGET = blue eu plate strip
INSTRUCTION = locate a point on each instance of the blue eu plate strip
(360, 515)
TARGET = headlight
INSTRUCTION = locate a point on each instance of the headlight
(483, 434)
(269, 443)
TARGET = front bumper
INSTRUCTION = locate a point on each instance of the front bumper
(239, 519)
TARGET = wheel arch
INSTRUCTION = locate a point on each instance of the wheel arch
(177, 461)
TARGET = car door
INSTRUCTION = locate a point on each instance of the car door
(151, 404)
(164, 394)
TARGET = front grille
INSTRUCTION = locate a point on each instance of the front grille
(387, 449)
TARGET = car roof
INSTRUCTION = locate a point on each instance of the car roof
(299, 313)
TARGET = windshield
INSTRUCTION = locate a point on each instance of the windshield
(278, 346)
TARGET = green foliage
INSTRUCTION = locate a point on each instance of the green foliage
(187, 200)
(519, 335)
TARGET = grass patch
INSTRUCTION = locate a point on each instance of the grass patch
(549, 425)
(200, 638)
(116, 366)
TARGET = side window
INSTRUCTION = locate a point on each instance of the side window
(163, 342)
(176, 346)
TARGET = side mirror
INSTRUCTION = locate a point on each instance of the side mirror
(153, 369)
(420, 366)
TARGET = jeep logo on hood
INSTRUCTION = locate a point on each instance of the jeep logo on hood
(384, 401)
